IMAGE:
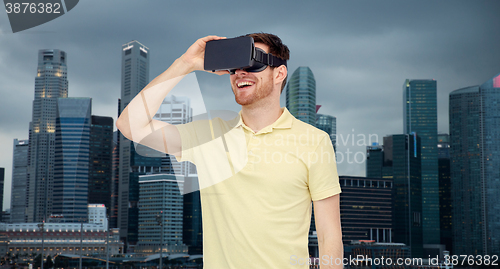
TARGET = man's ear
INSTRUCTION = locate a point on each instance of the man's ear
(280, 74)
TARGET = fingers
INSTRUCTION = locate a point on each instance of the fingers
(221, 72)
(211, 37)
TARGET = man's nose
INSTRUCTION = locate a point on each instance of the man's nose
(240, 72)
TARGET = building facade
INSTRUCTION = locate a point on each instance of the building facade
(420, 116)
(398, 160)
(445, 202)
(71, 162)
(19, 200)
(366, 207)
(301, 95)
(58, 237)
(51, 83)
(475, 168)
(135, 76)
(192, 230)
(101, 161)
(161, 207)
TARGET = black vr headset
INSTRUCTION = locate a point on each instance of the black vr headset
(238, 53)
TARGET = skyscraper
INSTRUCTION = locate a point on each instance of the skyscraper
(100, 165)
(301, 95)
(113, 217)
(192, 228)
(475, 168)
(50, 84)
(420, 116)
(406, 167)
(160, 195)
(400, 159)
(445, 203)
(19, 202)
(374, 161)
(135, 76)
(71, 164)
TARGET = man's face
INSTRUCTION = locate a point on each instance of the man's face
(251, 87)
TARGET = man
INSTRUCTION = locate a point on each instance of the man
(258, 175)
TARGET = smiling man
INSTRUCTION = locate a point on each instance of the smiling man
(257, 215)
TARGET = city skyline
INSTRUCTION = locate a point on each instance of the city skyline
(358, 57)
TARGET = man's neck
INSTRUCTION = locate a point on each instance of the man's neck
(259, 117)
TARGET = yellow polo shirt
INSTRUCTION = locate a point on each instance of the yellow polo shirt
(256, 189)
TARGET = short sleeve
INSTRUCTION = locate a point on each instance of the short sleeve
(323, 178)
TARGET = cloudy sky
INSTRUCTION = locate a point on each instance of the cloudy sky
(360, 52)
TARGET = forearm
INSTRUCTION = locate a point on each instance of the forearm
(137, 118)
(331, 252)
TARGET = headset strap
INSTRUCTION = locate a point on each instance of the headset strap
(268, 59)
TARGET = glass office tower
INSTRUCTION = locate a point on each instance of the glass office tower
(406, 165)
(51, 83)
(399, 159)
(445, 205)
(18, 201)
(420, 116)
(101, 157)
(161, 202)
(135, 76)
(475, 168)
(301, 95)
(71, 165)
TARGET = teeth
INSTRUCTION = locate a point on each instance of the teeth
(245, 83)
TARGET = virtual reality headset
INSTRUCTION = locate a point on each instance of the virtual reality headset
(238, 53)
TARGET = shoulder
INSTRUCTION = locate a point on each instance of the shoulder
(312, 133)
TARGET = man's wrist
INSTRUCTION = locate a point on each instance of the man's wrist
(185, 67)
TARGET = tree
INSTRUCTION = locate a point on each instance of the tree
(49, 263)
(37, 262)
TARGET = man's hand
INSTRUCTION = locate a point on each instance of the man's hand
(194, 57)
(136, 121)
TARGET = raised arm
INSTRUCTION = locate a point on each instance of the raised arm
(136, 121)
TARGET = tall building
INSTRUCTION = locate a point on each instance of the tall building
(135, 76)
(160, 196)
(71, 165)
(366, 207)
(301, 95)
(19, 200)
(475, 168)
(445, 202)
(400, 160)
(115, 187)
(374, 161)
(175, 110)
(420, 116)
(101, 161)
(51, 83)
(192, 230)
(328, 124)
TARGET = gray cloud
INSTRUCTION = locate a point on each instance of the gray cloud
(359, 51)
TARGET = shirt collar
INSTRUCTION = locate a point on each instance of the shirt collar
(283, 122)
